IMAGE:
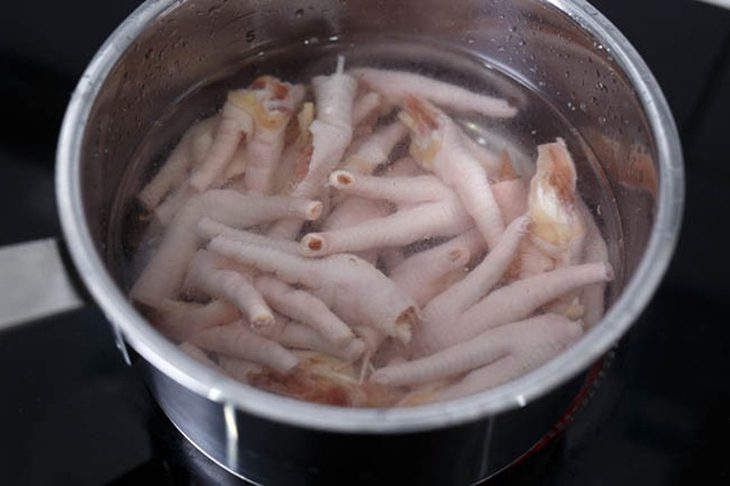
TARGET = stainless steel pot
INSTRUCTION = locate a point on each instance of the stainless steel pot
(563, 49)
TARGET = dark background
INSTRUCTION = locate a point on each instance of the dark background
(72, 414)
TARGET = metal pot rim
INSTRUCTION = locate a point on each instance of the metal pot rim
(165, 356)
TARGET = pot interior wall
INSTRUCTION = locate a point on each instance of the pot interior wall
(532, 42)
(162, 73)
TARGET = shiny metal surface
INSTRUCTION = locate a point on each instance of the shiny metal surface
(564, 50)
(33, 283)
(265, 452)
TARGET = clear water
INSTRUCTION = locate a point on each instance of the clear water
(538, 121)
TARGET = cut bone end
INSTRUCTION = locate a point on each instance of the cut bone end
(341, 178)
(262, 320)
(314, 210)
(313, 244)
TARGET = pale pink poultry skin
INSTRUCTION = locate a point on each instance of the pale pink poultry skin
(440, 214)
(215, 276)
(510, 303)
(454, 301)
(172, 204)
(165, 272)
(558, 228)
(595, 250)
(189, 152)
(355, 210)
(305, 307)
(398, 190)
(429, 272)
(493, 345)
(373, 339)
(429, 209)
(262, 112)
(493, 164)
(331, 134)
(355, 290)
(236, 341)
(368, 252)
(208, 228)
(199, 145)
(511, 197)
(271, 118)
(405, 226)
(390, 258)
(364, 106)
(179, 319)
(527, 349)
(376, 149)
(300, 336)
(437, 144)
(404, 167)
(352, 212)
(197, 354)
(398, 85)
(236, 123)
(295, 158)
(239, 369)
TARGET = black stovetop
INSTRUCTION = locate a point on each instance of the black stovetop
(71, 413)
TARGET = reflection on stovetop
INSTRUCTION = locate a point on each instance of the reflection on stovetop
(71, 412)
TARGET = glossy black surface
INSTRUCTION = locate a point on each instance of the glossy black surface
(71, 413)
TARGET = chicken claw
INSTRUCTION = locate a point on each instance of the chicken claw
(525, 340)
(558, 227)
(355, 290)
(398, 85)
(436, 143)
